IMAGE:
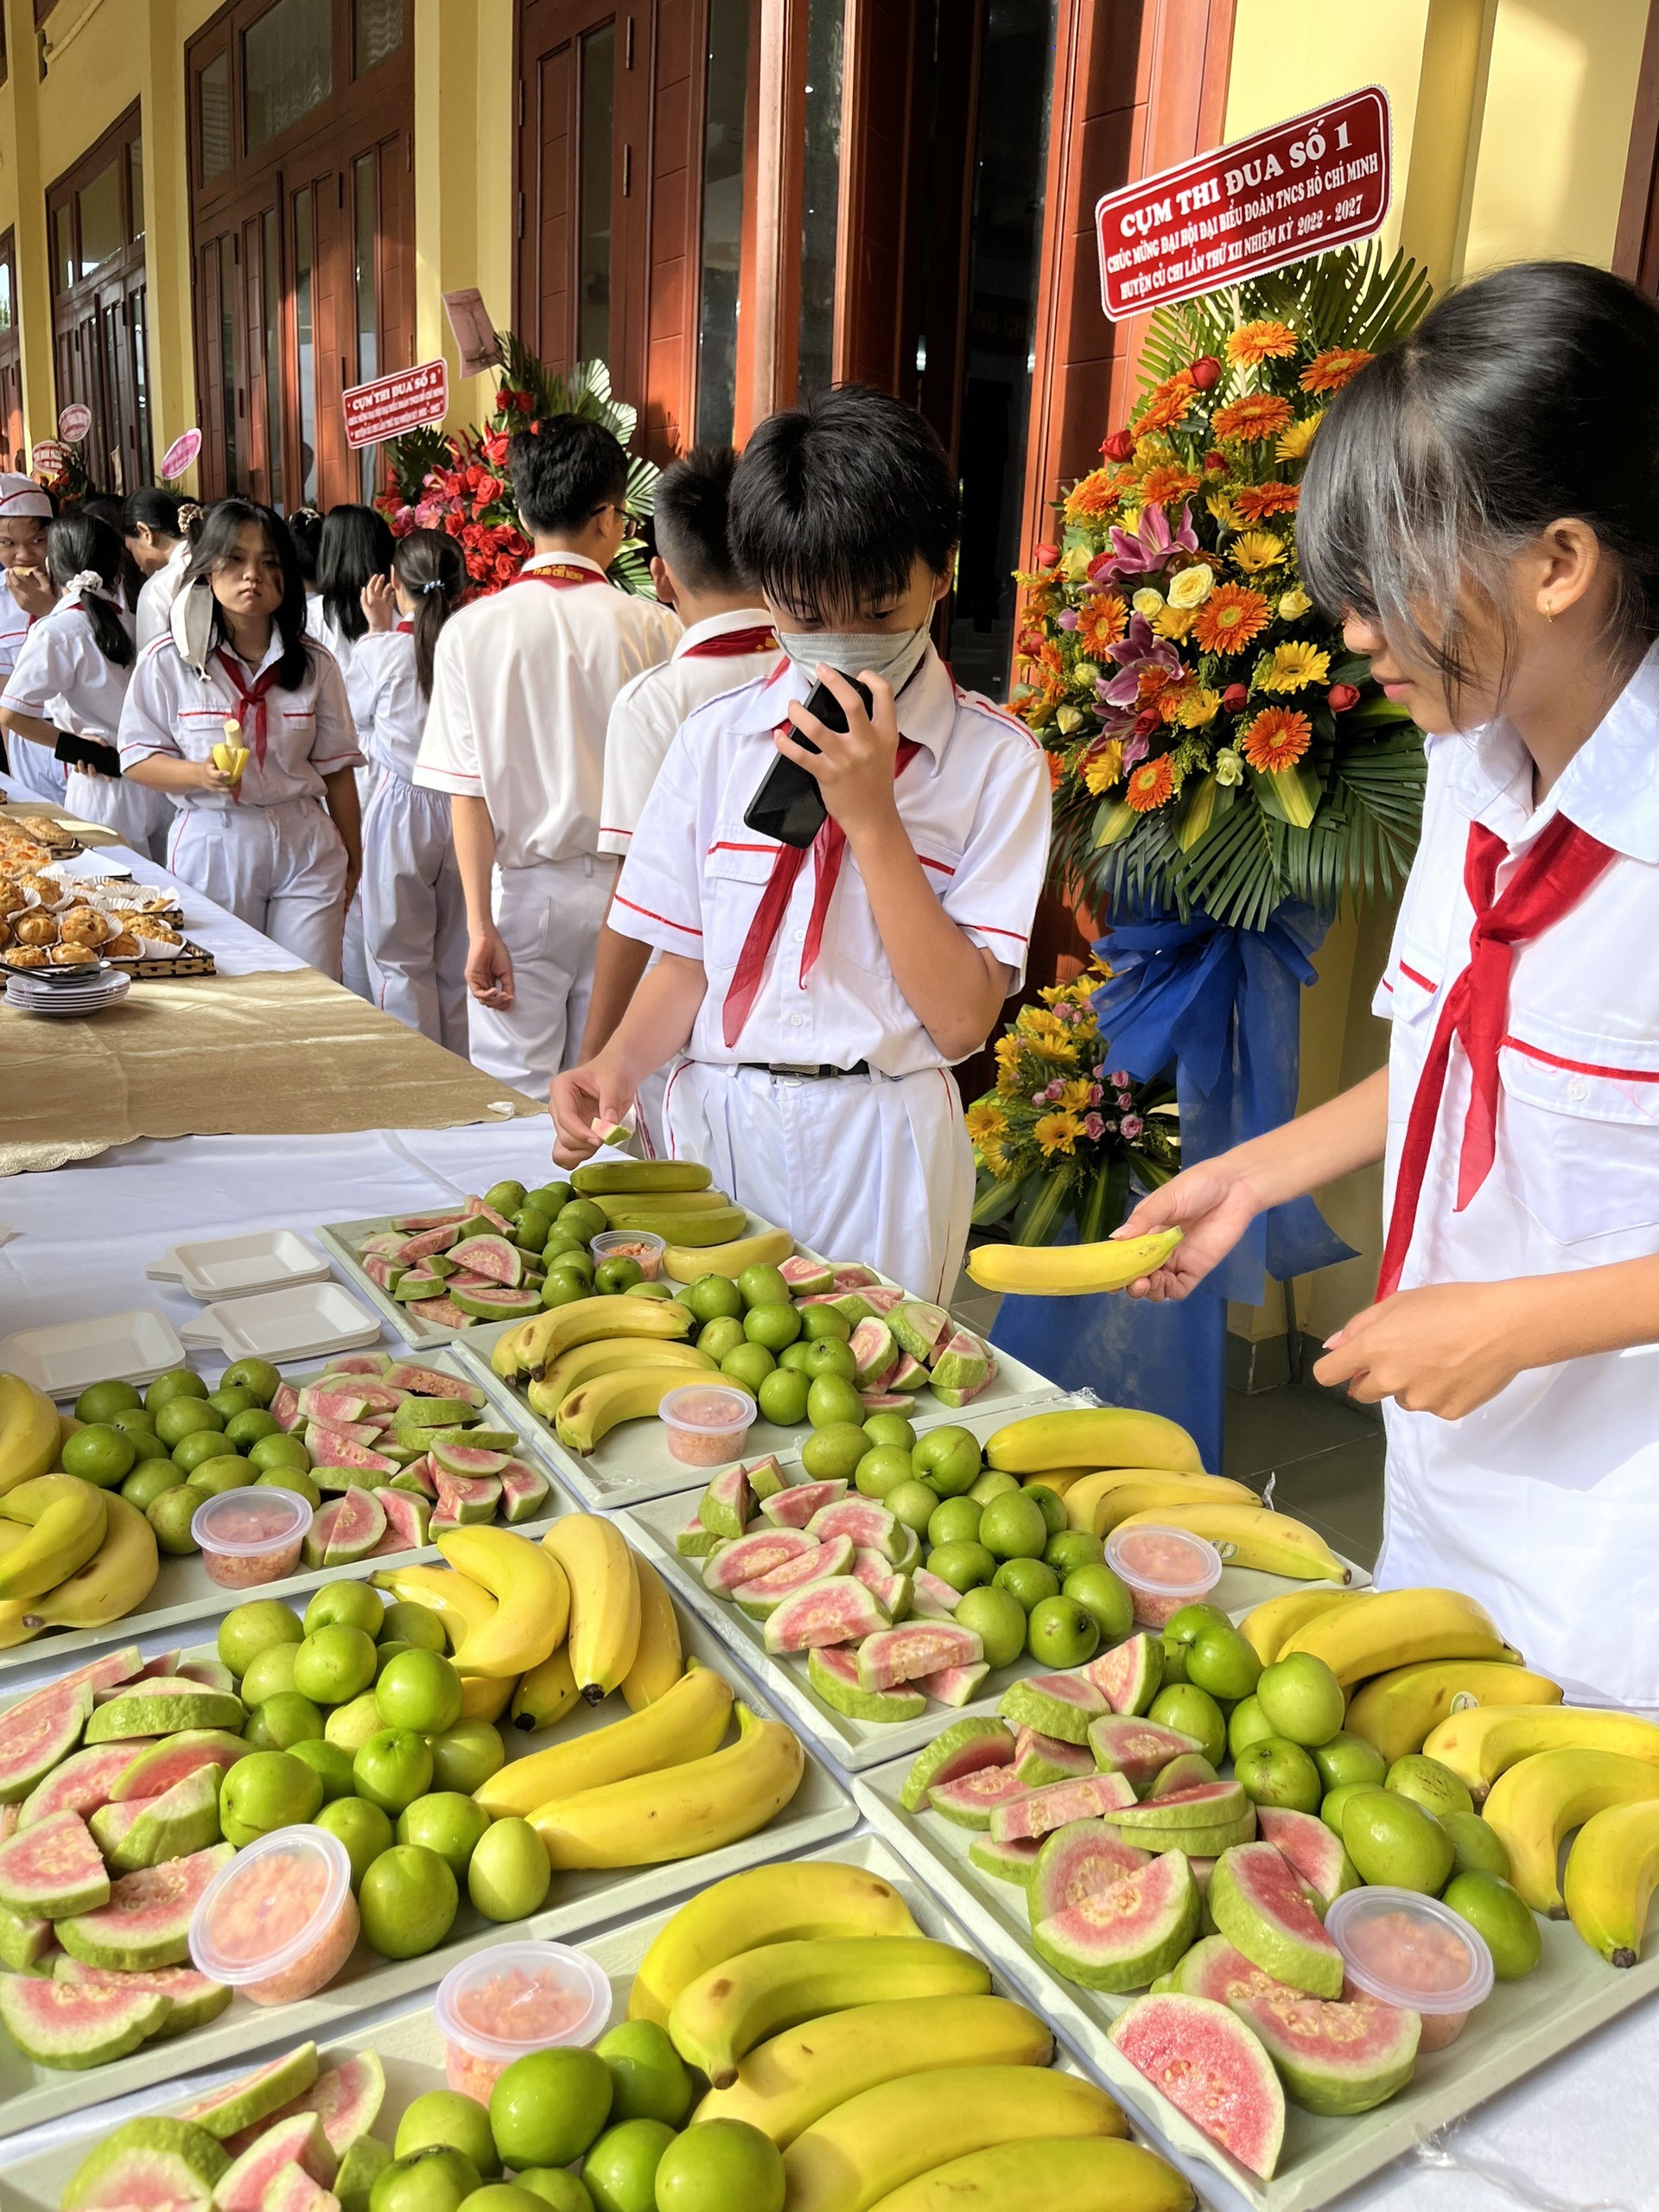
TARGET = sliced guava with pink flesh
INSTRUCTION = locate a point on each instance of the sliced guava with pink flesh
(962, 1363)
(483, 1300)
(918, 1328)
(111, 1824)
(25, 1939)
(357, 1528)
(1206, 1805)
(1213, 1969)
(85, 1781)
(852, 1274)
(194, 1997)
(804, 1278)
(760, 1598)
(833, 1673)
(1191, 1770)
(1137, 1747)
(1039, 1812)
(147, 1921)
(39, 1732)
(728, 1505)
(1130, 1675)
(915, 1651)
(364, 1363)
(1257, 1903)
(871, 1527)
(146, 2164)
(53, 1869)
(931, 1597)
(840, 1611)
(320, 1436)
(340, 1451)
(466, 1498)
(1120, 1935)
(332, 1406)
(292, 2190)
(1212, 2069)
(1335, 2058)
(874, 1353)
(411, 1224)
(256, 2096)
(1005, 1862)
(878, 1574)
(425, 1242)
(956, 1686)
(439, 1313)
(182, 1819)
(346, 2098)
(298, 2141)
(497, 1257)
(285, 1408)
(1059, 1704)
(416, 1479)
(406, 1521)
(751, 1557)
(1076, 1860)
(794, 1507)
(962, 1748)
(211, 1674)
(433, 1383)
(1315, 1851)
(465, 1459)
(104, 1674)
(59, 2025)
(972, 1799)
(163, 1664)
(886, 1402)
(1038, 1759)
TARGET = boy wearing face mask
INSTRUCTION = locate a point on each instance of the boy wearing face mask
(813, 1002)
(26, 593)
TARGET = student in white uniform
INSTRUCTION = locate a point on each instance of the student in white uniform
(281, 847)
(70, 682)
(154, 524)
(26, 594)
(1462, 509)
(818, 997)
(353, 550)
(414, 914)
(522, 687)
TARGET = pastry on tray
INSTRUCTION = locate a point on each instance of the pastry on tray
(35, 929)
(70, 956)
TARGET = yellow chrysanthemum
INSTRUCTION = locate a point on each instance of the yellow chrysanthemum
(1293, 666)
(1253, 551)
(1074, 1097)
(985, 1119)
(1294, 442)
(1057, 1133)
(1221, 506)
(1103, 765)
(1174, 622)
(1198, 709)
(1037, 1021)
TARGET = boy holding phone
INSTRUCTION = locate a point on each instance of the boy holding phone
(816, 997)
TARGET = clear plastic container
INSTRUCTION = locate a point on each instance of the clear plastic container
(252, 1535)
(280, 1921)
(705, 1422)
(1413, 1952)
(630, 1244)
(1165, 1569)
(502, 2004)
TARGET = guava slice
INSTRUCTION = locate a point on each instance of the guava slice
(292, 2190)
(1040, 1811)
(918, 1328)
(333, 1449)
(182, 1819)
(1196, 1843)
(1139, 1748)
(695, 1541)
(748, 1559)
(766, 1478)
(1189, 1771)
(84, 1782)
(1059, 1704)
(793, 1507)
(52, 1869)
(971, 1800)
(1213, 1969)
(432, 1383)
(761, 1597)
(39, 1732)
(357, 1528)
(1212, 2069)
(360, 1363)
(148, 1713)
(285, 1408)
(195, 1998)
(416, 1477)
(962, 1748)
(1075, 1861)
(146, 2163)
(466, 1498)
(871, 1527)
(497, 1258)
(57, 2024)
(962, 1364)
(909, 1377)
(913, 1652)
(886, 1402)
(1120, 1935)
(407, 1518)
(728, 1505)
(840, 1611)
(112, 1824)
(806, 1278)
(1206, 1805)
(1257, 1903)
(104, 1674)
(24, 1941)
(147, 1921)
(892, 1590)
(931, 1597)
(346, 2098)
(256, 2096)
(524, 1491)
(211, 1674)
(362, 2167)
(154, 1771)
(1335, 2058)
(299, 2141)
(1005, 1862)
(1038, 1759)
(1315, 1851)
(874, 1353)
(1130, 1675)
(833, 1673)
(332, 1405)
(956, 1686)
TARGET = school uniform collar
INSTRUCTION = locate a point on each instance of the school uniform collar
(927, 705)
(273, 653)
(566, 560)
(720, 625)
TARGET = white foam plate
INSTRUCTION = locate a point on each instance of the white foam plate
(76, 871)
(133, 1347)
(227, 1267)
(307, 1318)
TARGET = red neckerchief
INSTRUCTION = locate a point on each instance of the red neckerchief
(250, 700)
(1551, 878)
(404, 626)
(563, 575)
(827, 849)
(761, 639)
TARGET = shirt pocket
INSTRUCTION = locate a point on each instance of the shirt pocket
(1579, 1139)
(1412, 989)
(294, 729)
(198, 729)
(735, 873)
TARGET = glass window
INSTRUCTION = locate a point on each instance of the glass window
(136, 185)
(304, 351)
(99, 205)
(270, 271)
(139, 309)
(214, 115)
(368, 357)
(820, 195)
(227, 358)
(376, 31)
(8, 317)
(594, 263)
(63, 248)
(288, 67)
(112, 329)
(722, 219)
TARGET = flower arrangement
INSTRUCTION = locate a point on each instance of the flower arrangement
(1063, 1133)
(458, 481)
(1213, 744)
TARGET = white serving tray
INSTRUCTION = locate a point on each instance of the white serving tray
(302, 1322)
(236, 1267)
(62, 1360)
(577, 1901)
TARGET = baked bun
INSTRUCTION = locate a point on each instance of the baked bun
(35, 929)
(81, 926)
(70, 956)
(27, 956)
(123, 946)
(13, 897)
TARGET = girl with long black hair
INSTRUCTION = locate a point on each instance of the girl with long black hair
(157, 528)
(353, 551)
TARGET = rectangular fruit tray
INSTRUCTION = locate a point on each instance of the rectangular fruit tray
(577, 1901)
(853, 1744)
(1567, 1996)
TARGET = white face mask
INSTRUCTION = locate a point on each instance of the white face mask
(893, 656)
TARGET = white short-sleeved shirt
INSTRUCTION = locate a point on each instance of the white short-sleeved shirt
(975, 802)
(60, 675)
(522, 688)
(158, 593)
(712, 657)
(390, 712)
(309, 731)
(14, 627)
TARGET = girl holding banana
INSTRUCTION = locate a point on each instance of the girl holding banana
(1480, 505)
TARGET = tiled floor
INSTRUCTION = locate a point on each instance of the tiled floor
(1326, 1454)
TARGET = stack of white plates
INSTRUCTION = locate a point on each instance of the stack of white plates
(66, 991)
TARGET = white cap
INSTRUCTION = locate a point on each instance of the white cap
(22, 495)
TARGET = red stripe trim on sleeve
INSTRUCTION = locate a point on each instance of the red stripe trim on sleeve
(610, 829)
(666, 920)
(1582, 1067)
(991, 929)
(1388, 987)
(942, 866)
(1416, 978)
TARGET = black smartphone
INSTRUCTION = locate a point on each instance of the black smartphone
(789, 805)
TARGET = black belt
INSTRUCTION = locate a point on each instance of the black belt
(814, 1072)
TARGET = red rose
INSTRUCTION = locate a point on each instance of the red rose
(1205, 373)
(453, 524)
(1342, 696)
(1215, 463)
(1147, 720)
(1044, 556)
(1119, 447)
(1235, 698)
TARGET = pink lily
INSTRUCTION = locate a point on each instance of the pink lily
(1135, 552)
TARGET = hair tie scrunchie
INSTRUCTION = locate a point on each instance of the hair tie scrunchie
(434, 583)
(87, 584)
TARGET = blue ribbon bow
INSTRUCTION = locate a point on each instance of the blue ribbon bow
(1223, 1005)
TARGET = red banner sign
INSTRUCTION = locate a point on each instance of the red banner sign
(390, 405)
(1299, 188)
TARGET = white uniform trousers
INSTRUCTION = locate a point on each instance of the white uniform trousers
(549, 917)
(282, 869)
(143, 819)
(355, 971)
(414, 914)
(864, 1167)
(38, 769)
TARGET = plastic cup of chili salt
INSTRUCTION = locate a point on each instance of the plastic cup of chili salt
(630, 1244)
(249, 1536)
(705, 1422)
(1165, 1569)
(1414, 1952)
(280, 1921)
(501, 2004)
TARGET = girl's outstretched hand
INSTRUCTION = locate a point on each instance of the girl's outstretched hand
(1444, 1349)
(1212, 1203)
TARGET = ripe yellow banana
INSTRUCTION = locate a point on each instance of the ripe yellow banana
(1092, 1437)
(588, 1415)
(1097, 1502)
(1083, 2173)
(1266, 1626)
(1534, 1804)
(30, 1435)
(547, 1692)
(1487, 1740)
(600, 1178)
(486, 1697)
(1252, 1536)
(1069, 1270)
(658, 1659)
(66, 1519)
(115, 1580)
(791, 1902)
(1060, 1480)
(532, 1599)
(464, 1606)
(873, 2145)
(682, 1811)
(684, 1263)
(233, 759)
(721, 2016)
(1395, 1711)
(688, 1724)
(1399, 1628)
(783, 2086)
(526, 1352)
(605, 1357)
(1613, 1870)
(604, 1598)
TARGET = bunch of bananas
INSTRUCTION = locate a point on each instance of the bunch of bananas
(71, 1555)
(704, 1233)
(1069, 1270)
(599, 1361)
(232, 756)
(876, 2059)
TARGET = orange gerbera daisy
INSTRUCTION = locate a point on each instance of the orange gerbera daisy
(1255, 502)
(1151, 785)
(1229, 618)
(1102, 620)
(1090, 497)
(1161, 486)
(1253, 342)
(1277, 738)
(1330, 371)
(1167, 404)
(1258, 415)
